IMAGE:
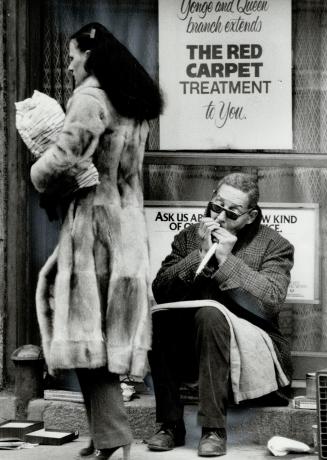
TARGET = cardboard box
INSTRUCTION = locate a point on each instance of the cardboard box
(19, 428)
(51, 437)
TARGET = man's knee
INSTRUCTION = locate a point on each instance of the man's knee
(160, 320)
(211, 318)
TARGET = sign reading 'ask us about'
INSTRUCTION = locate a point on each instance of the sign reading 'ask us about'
(225, 70)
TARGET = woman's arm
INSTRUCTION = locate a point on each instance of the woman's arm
(85, 121)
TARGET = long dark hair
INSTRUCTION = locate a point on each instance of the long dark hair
(129, 87)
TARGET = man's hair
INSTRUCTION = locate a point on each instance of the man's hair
(244, 182)
(131, 90)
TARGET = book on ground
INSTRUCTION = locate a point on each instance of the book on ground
(18, 428)
(51, 437)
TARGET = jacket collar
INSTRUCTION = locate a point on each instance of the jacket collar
(247, 233)
(89, 82)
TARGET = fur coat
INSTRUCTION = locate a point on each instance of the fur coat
(92, 295)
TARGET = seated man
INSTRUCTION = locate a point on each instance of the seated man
(249, 274)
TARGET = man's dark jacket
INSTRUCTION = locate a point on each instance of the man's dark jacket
(252, 282)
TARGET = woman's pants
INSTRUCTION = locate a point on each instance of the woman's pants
(190, 344)
(108, 422)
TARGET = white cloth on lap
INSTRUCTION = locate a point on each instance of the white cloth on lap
(39, 120)
(254, 366)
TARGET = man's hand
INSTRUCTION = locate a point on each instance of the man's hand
(207, 230)
(210, 232)
(227, 241)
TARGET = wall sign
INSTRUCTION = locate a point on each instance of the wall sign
(299, 223)
(225, 69)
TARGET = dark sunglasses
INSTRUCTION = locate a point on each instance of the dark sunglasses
(229, 214)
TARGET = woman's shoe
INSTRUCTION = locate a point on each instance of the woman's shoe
(87, 451)
(105, 454)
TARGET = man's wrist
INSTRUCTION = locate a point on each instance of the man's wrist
(221, 260)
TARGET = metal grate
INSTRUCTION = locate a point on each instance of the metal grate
(322, 413)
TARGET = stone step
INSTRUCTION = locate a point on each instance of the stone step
(246, 425)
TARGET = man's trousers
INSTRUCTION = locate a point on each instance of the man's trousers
(190, 344)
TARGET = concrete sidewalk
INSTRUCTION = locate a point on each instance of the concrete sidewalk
(140, 451)
(238, 447)
(245, 425)
(248, 431)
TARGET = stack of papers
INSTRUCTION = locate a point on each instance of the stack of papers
(302, 402)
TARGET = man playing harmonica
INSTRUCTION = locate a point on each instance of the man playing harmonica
(248, 274)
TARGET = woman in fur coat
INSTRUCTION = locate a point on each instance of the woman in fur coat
(92, 293)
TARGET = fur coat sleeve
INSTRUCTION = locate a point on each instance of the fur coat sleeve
(85, 121)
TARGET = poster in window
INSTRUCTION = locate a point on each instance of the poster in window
(225, 71)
